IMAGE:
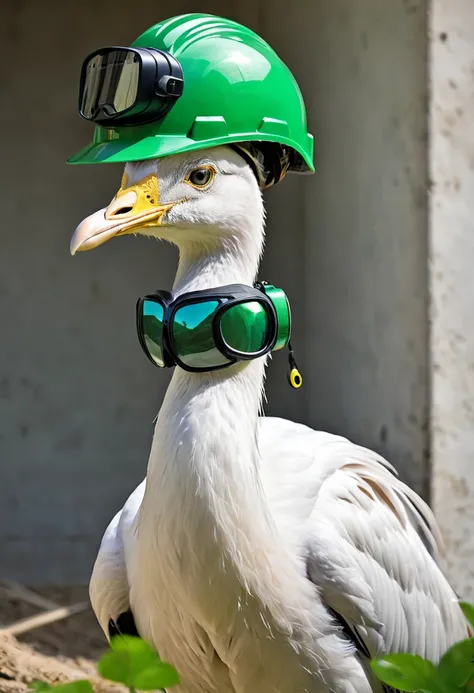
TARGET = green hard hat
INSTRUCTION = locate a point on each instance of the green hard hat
(236, 89)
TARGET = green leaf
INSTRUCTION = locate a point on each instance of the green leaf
(81, 686)
(127, 657)
(456, 667)
(133, 662)
(406, 672)
(39, 686)
(468, 611)
(161, 675)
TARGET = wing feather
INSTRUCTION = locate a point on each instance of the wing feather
(370, 542)
(367, 523)
(109, 586)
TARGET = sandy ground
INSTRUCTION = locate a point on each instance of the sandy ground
(60, 652)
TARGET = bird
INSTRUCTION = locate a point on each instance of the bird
(258, 555)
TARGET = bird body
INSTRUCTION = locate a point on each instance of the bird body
(352, 524)
(258, 555)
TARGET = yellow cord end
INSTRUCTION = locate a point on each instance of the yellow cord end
(295, 378)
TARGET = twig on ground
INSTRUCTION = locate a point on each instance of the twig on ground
(26, 624)
(15, 590)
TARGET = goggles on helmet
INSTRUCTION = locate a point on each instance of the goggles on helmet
(128, 86)
(211, 329)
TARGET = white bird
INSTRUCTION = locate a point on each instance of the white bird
(258, 556)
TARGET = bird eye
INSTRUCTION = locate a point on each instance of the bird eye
(200, 177)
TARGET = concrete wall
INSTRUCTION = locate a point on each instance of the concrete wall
(362, 69)
(451, 270)
(77, 398)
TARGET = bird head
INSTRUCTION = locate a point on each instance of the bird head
(209, 197)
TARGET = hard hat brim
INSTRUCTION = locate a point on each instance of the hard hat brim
(155, 147)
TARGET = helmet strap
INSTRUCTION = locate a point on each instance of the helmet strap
(269, 161)
(248, 160)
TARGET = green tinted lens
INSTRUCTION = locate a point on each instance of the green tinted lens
(244, 327)
(192, 335)
(152, 321)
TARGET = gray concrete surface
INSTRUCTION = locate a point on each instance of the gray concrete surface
(362, 68)
(77, 398)
(451, 281)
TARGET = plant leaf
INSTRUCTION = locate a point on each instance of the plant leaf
(468, 611)
(114, 668)
(81, 686)
(456, 667)
(160, 675)
(406, 672)
(133, 662)
(39, 686)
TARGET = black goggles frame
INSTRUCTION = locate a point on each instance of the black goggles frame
(231, 295)
(160, 84)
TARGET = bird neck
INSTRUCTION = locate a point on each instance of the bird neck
(204, 493)
(204, 454)
(219, 262)
(207, 537)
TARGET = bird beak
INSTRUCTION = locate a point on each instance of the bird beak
(133, 208)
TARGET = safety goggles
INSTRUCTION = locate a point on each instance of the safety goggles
(212, 329)
(128, 86)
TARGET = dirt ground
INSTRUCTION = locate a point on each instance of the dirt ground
(56, 653)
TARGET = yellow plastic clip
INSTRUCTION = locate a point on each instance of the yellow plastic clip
(295, 378)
